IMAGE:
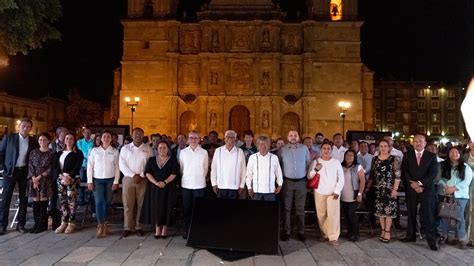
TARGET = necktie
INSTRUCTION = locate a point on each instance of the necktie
(418, 158)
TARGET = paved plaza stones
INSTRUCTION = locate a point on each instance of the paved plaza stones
(82, 248)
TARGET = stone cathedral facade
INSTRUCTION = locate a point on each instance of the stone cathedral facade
(239, 65)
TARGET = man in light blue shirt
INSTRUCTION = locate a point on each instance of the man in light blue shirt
(85, 145)
(294, 160)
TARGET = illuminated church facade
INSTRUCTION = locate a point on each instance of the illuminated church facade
(241, 65)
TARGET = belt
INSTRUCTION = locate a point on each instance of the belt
(294, 179)
(21, 167)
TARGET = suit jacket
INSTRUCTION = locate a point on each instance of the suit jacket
(9, 150)
(72, 164)
(425, 173)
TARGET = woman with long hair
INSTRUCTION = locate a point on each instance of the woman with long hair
(351, 195)
(39, 186)
(456, 176)
(385, 176)
(103, 176)
(68, 163)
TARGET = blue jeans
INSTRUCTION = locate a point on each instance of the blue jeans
(460, 226)
(264, 196)
(103, 198)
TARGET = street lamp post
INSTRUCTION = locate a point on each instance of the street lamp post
(132, 106)
(344, 107)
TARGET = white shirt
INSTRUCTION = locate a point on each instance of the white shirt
(133, 159)
(263, 172)
(338, 154)
(331, 176)
(22, 151)
(347, 193)
(228, 168)
(103, 164)
(467, 109)
(62, 158)
(194, 165)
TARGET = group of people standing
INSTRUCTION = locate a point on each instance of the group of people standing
(48, 171)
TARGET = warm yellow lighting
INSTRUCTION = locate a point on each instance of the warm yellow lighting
(442, 133)
(18, 122)
(428, 133)
(3, 57)
(127, 99)
(335, 10)
(344, 104)
(137, 99)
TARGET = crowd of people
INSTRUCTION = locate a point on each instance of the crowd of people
(341, 176)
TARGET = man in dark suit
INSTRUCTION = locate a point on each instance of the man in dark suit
(420, 168)
(14, 153)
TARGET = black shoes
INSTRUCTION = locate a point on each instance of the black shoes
(406, 240)
(3, 231)
(285, 237)
(21, 229)
(126, 233)
(301, 237)
(140, 233)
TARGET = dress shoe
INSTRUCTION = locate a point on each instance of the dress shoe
(301, 237)
(406, 240)
(354, 238)
(164, 236)
(157, 236)
(140, 233)
(285, 237)
(21, 229)
(3, 231)
(434, 246)
(185, 236)
(126, 233)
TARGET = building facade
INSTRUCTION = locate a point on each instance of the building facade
(241, 66)
(428, 107)
(46, 113)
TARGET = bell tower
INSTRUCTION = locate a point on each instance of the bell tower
(335, 10)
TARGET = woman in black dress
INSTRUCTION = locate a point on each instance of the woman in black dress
(385, 176)
(39, 181)
(160, 193)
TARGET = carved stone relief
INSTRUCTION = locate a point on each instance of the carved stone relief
(241, 77)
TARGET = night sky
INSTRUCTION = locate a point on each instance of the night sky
(404, 40)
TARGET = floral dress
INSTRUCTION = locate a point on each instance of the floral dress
(383, 177)
(40, 163)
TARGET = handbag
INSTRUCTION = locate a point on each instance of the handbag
(450, 209)
(313, 183)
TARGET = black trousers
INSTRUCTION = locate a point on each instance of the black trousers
(427, 201)
(189, 197)
(228, 194)
(349, 210)
(19, 176)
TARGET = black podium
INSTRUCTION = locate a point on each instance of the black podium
(235, 225)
